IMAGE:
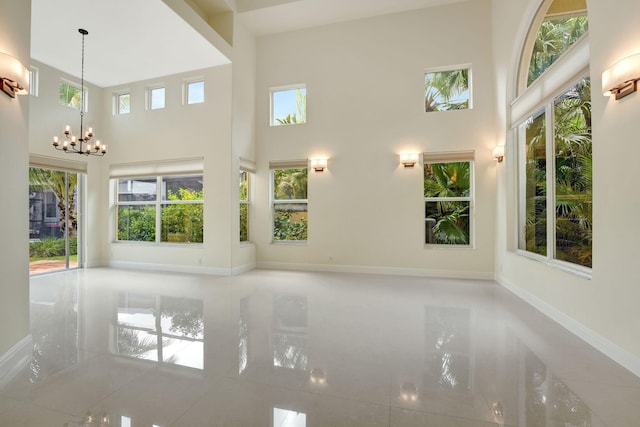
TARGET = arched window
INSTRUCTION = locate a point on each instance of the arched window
(552, 120)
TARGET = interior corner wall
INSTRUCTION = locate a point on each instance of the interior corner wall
(15, 37)
(178, 131)
(365, 105)
(243, 137)
(604, 309)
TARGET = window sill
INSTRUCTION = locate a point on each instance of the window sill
(576, 270)
(435, 246)
(161, 244)
(289, 242)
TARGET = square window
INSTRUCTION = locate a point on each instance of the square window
(288, 106)
(195, 92)
(447, 90)
(70, 95)
(156, 98)
(123, 103)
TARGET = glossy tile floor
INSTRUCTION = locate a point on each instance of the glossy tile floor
(269, 348)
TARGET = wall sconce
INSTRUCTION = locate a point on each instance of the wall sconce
(318, 165)
(409, 160)
(14, 76)
(621, 79)
(498, 153)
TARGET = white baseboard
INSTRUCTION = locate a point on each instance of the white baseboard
(12, 362)
(608, 348)
(367, 269)
(173, 268)
(242, 268)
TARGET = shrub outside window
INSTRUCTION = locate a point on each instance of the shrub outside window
(195, 92)
(448, 203)
(288, 105)
(446, 90)
(244, 206)
(160, 209)
(290, 202)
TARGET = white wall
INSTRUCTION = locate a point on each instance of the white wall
(602, 310)
(365, 105)
(15, 36)
(176, 132)
(243, 137)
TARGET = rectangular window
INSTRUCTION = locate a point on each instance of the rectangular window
(446, 90)
(289, 199)
(555, 174)
(156, 98)
(69, 94)
(195, 92)
(288, 105)
(244, 206)
(123, 103)
(160, 209)
(448, 200)
(34, 80)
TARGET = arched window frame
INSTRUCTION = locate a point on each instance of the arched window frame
(565, 72)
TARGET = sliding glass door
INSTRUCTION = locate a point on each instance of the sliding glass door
(54, 228)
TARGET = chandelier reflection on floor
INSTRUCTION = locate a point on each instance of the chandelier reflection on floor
(82, 144)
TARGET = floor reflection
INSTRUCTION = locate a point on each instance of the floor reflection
(289, 332)
(159, 328)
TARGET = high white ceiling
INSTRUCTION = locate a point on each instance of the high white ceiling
(131, 40)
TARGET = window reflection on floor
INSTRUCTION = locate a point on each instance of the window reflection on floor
(289, 332)
(286, 418)
(160, 329)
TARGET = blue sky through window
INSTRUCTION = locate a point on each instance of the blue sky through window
(284, 103)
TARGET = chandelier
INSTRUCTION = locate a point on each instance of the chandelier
(81, 144)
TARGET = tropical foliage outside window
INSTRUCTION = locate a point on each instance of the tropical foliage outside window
(178, 202)
(288, 106)
(571, 178)
(289, 204)
(244, 206)
(556, 175)
(447, 200)
(447, 90)
(69, 95)
(554, 37)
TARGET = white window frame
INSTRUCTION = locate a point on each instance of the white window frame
(149, 95)
(157, 203)
(452, 157)
(186, 90)
(299, 164)
(275, 89)
(34, 80)
(85, 95)
(447, 68)
(561, 75)
(116, 102)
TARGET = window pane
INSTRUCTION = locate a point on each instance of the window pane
(572, 133)
(124, 103)
(137, 223)
(446, 90)
(69, 95)
(289, 107)
(195, 92)
(187, 187)
(447, 223)
(182, 223)
(557, 33)
(290, 221)
(244, 222)
(452, 179)
(244, 185)
(290, 184)
(157, 98)
(136, 189)
(535, 204)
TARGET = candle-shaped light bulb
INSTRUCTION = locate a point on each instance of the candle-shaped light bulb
(55, 141)
(67, 130)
